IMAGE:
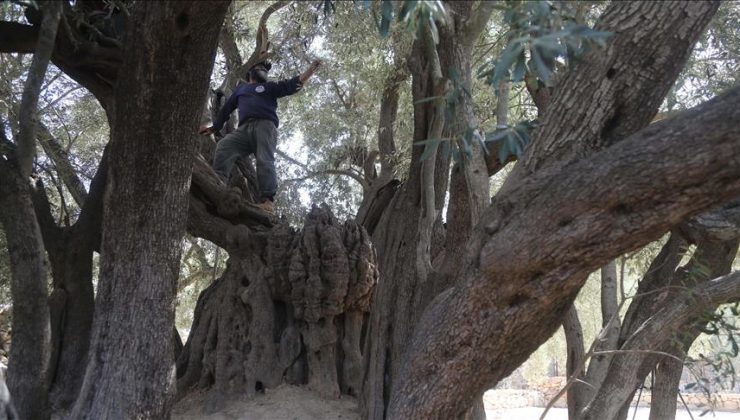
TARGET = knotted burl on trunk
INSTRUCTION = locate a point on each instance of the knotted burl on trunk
(289, 308)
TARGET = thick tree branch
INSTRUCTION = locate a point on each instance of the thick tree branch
(534, 248)
(28, 111)
(227, 43)
(722, 224)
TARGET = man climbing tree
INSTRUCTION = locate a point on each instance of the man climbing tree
(258, 122)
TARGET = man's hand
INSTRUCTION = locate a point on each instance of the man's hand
(205, 130)
(309, 72)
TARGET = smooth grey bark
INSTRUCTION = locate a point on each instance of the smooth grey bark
(667, 378)
(28, 110)
(575, 358)
(675, 313)
(131, 366)
(469, 192)
(590, 379)
(609, 336)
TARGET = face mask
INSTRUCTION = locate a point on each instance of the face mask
(260, 75)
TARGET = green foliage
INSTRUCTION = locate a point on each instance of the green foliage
(415, 14)
(714, 65)
(512, 139)
(544, 35)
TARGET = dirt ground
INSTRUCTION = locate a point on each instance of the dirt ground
(285, 402)
(298, 403)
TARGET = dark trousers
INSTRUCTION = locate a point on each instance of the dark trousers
(258, 137)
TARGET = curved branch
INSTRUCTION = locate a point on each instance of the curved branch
(543, 239)
(262, 42)
(314, 174)
(28, 111)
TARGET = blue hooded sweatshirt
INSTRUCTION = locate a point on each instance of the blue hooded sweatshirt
(257, 100)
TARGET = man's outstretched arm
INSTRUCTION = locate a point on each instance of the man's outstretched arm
(291, 86)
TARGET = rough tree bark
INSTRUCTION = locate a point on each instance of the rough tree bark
(631, 22)
(29, 355)
(289, 308)
(168, 54)
(524, 266)
(616, 91)
(408, 234)
(396, 238)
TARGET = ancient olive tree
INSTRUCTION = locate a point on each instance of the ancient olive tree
(422, 314)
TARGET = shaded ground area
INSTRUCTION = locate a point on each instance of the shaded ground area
(285, 402)
(288, 402)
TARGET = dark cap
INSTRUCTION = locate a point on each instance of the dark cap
(266, 65)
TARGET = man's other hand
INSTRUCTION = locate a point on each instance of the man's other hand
(205, 130)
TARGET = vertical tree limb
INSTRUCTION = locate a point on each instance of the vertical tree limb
(28, 112)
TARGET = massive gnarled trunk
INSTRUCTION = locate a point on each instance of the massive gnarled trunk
(71, 303)
(410, 235)
(402, 256)
(289, 308)
(169, 53)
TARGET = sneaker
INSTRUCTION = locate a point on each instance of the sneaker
(267, 206)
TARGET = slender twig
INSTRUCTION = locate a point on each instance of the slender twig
(59, 98)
